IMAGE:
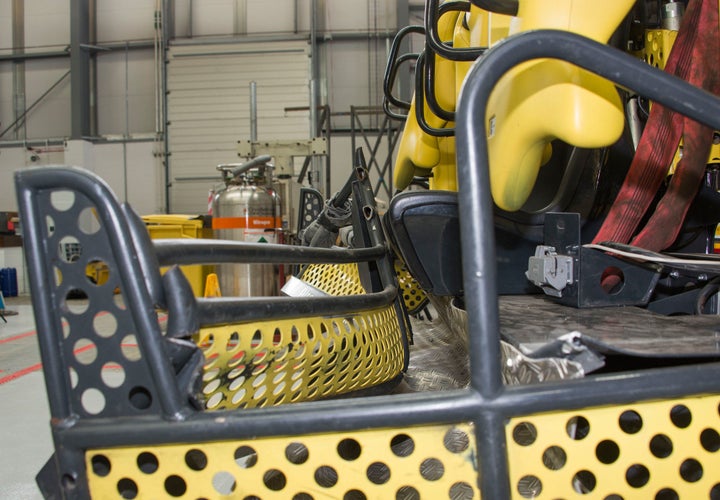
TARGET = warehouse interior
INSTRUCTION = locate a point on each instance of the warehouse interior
(371, 249)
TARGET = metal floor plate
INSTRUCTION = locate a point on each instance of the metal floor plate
(534, 320)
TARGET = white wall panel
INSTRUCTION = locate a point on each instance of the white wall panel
(132, 170)
(47, 22)
(5, 25)
(214, 17)
(280, 18)
(126, 20)
(209, 107)
(11, 159)
(353, 78)
(6, 98)
(344, 15)
(51, 117)
(146, 177)
(182, 18)
(232, 17)
(111, 90)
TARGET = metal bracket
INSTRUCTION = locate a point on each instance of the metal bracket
(591, 278)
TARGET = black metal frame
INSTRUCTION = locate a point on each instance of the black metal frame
(487, 403)
(160, 385)
(391, 70)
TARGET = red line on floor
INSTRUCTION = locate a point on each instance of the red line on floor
(17, 337)
(20, 373)
(30, 369)
(20, 336)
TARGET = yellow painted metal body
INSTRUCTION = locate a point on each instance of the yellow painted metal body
(532, 105)
(418, 152)
(413, 295)
(274, 362)
(543, 100)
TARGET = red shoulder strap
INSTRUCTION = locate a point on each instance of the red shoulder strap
(695, 58)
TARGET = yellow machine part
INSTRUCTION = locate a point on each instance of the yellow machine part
(334, 279)
(418, 152)
(482, 29)
(662, 449)
(97, 272)
(268, 363)
(586, 109)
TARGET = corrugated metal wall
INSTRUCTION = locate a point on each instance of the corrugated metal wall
(209, 107)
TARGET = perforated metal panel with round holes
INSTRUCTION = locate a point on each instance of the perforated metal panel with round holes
(285, 361)
(105, 374)
(664, 450)
(422, 462)
(413, 296)
(334, 279)
(282, 361)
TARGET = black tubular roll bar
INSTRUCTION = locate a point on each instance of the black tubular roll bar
(420, 92)
(391, 70)
(429, 90)
(435, 47)
(487, 403)
(433, 12)
(478, 248)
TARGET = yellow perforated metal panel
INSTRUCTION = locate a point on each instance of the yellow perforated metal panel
(430, 462)
(267, 363)
(663, 450)
(334, 279)
(343, 279)
(413, 296)
(283, 361)
(658, 44)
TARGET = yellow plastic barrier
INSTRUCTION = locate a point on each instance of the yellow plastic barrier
(182, 226)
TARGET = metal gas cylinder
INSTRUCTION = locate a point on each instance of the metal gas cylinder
(246, 209)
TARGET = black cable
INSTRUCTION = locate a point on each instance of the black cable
(710, 289)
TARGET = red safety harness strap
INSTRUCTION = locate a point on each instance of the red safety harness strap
(694, 58)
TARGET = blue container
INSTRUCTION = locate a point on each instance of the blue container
(8, 282)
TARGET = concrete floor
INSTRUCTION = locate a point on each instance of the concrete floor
(24, 415)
